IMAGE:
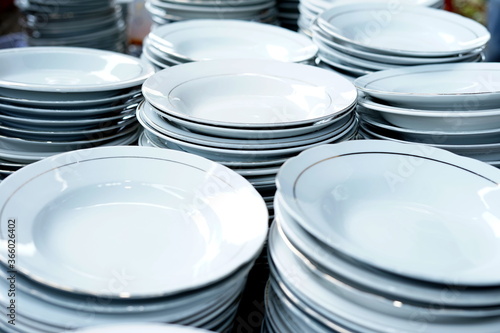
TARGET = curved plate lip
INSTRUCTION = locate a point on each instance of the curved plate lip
(253, 202)
(438, 98)
(157, 88)
(371, 104)
(140, 327)
(294, 168)
(145, 70)
(149, 117)
(161, 36)
(482, 34)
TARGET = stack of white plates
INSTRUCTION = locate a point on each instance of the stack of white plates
(371, 236)
(288, 13)
(199, 40)
(250, 115)
(127, 234)
(56, 99)
(168, 11)
(83, 23)
(362, 38)
(452, 106)
(310, 9)
(140, 327)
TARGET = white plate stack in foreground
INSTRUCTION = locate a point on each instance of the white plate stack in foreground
(452, 106)
(140, 327)
(57, 99)
(371, 236)
(81, 23)
(250, 115)
(168, 11)
(199, 40)
(365, 37)
(128, 234)
(310, 9)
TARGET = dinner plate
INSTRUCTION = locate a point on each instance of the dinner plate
(175, 305)
(148, 117)
(82, 100)
(330, 302)
(450, 119)
(192, 206)
(28, 151)
(346, 69)
(380, 282)
(141, 327)
(484, 152)
(265, 93)
(403, 30)
(65, 124)
(215, 39)
(148, 140)
(338, 45)
(69, 70)
(226, 154)
(434, 136)
(473, 85)
(251, 134)
(431, 236)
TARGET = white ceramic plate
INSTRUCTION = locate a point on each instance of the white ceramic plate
(252, 134)
(338, 45)
(249, 93)
(224, 154)
(403, 30)
(141, 327)
(381, 282)
(196, 40)
(66, 69)
(433, 120)
(80, 101)
(457, 86)
(433, 237)
(485, 152)
(191, 202)
(336, 304)
(148, 117)
(434, 136)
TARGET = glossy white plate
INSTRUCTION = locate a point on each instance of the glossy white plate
(335, 304)
(191, 202)
(381, 282)
(252, 134)
(69, 70)
(225, 154)
(80, 100)
(149, 118)
(433, 120)
(403, 30)
(249, 93)
(459, 86)
(338, 45)
(434, 232)
(196, 40)
(141, 327)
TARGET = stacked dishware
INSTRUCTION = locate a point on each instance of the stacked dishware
(127, 235)
(250, 115)
(140, 327)
(81, 23)
(288, 13)
(310, 9)
(378, 236)
(199, 40)
(57, 99)
(452, 106)
(168, 11)
(365, 37)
